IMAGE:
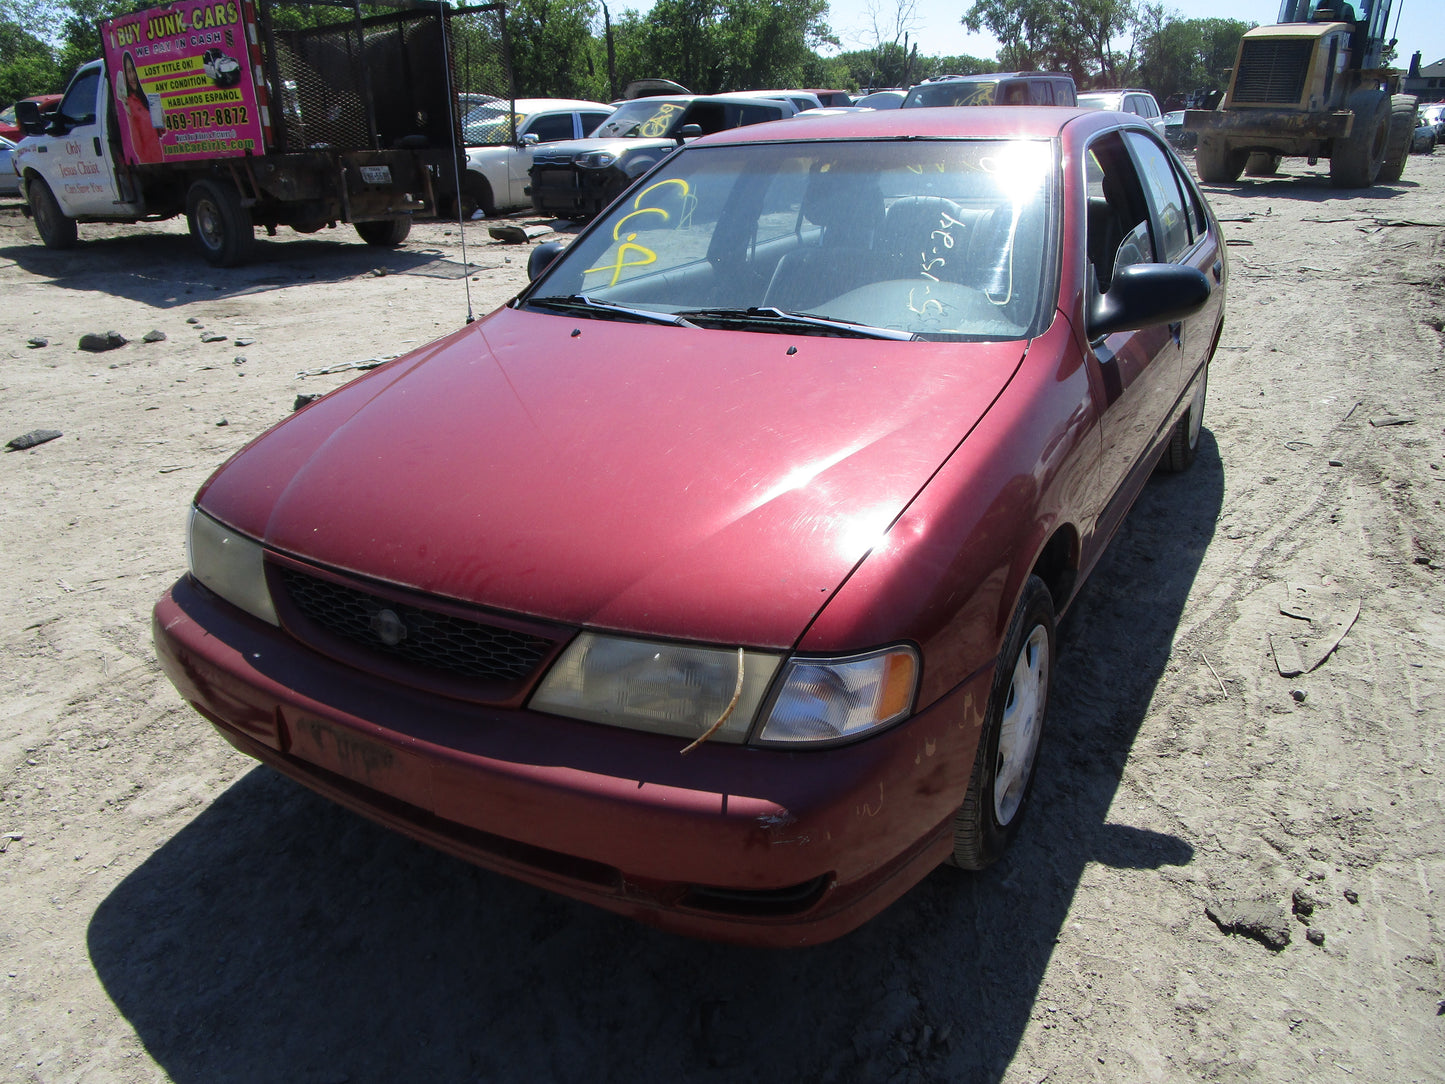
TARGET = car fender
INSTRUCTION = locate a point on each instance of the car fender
(955, 561)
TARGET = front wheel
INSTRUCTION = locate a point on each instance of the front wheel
(1401, 135)
(1356, 162)
(56, 228)
(1003, 769)
(1184, 440)
(385, 232)
(220, 225)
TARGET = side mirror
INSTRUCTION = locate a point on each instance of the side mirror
(27, 118)
(542, 257)
(688, 131)
(1147, 293)
(531, 139)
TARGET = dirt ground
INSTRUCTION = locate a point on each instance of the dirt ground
(171, 911)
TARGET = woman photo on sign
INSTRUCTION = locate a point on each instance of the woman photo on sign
(142, 111)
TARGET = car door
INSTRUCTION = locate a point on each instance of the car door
(1137, 373)
(1185, 235)
(80, 173)
(548, 128)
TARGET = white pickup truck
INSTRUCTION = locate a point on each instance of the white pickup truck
(204, 109)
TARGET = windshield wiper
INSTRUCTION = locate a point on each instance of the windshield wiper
(777, 319)
(592, 307)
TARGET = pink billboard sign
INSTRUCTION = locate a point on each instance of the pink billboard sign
(181, 77)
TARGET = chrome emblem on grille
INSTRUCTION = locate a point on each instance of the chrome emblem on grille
(390, 629)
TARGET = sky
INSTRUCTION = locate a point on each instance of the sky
(939, 31)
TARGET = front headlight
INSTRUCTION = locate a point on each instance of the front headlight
(595, 160)
(824, 700)
(229, 564)
(658, 687)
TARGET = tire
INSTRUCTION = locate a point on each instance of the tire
(1184, 440)
(220, 226)
(1402, 134)
(385, 232)
(56, 228)
(1356, 161)
(477, 196)
(1216, 161)
(1262, 164)
(1003, 770)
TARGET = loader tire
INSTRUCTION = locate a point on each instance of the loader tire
(1216, 161)
(1402, 134)
(1357, 159)
(1261, 164)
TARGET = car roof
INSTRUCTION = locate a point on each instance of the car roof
(935, 122)
(991, 77)
(537, 105)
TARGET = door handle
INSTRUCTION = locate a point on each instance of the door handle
(96, 141)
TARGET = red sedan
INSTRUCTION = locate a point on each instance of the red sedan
(714, 578)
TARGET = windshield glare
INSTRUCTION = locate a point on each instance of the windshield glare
(960, 92)
(941, 238)
(647, 118)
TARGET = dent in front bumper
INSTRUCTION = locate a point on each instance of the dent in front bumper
(756, 846)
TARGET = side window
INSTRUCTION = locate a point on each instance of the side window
(1117, 224)
(756, 114)
(590, 121)
(1014, 94)
(550, 129)
(1167, 201)
(1198, 219)
(78, 105)
(1064, 92)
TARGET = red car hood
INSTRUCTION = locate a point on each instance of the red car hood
(670, 481)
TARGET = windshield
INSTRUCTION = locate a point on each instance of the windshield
(647, 118)
(936, 239)
(960, 92)
(489, 123)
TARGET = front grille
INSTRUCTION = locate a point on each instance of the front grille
(440, 641)
(542, 159)
(1273, 72)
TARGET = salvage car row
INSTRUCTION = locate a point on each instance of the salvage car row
(714, 578)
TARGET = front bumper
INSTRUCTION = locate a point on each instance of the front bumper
(1267, 124)
(755, 846)
(566, 191)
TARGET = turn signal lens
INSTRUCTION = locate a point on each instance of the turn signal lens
(824, 700)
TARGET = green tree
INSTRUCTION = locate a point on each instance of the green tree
(1181, 57)
(554, 54)
(1073, 36)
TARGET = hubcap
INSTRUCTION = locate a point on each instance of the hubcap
(208, 223)
(1021, 725)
